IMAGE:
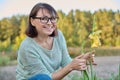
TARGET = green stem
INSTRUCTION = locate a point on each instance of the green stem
(92, 73)
(85, 75)
(83, 46)
(94, 24)
(119, 73)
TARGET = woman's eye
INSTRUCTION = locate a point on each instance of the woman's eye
(52, 18)
(44, 19)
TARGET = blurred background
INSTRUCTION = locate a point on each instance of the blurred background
(75, 21)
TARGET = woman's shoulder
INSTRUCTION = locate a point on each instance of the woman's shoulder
(61, 38)
(26, 42)
(60, 34)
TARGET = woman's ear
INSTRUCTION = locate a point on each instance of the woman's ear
(32, 21)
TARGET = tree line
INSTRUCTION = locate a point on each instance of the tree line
(76, 27)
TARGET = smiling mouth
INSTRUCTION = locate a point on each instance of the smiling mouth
(48, 27)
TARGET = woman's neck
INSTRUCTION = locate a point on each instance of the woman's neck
(45, 41)
(42, 39)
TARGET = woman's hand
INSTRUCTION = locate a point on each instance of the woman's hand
(78, 63)
(90, 57)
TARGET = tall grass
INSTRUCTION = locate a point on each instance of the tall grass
(94, 77)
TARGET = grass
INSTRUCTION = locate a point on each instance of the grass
(98, 52)
(76, 76)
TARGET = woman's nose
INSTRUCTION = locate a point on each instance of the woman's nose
(49, 22)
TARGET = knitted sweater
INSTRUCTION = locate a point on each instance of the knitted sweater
(34, 59)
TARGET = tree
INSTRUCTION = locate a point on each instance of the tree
(21, 36)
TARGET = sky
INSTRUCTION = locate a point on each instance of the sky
(9, 8)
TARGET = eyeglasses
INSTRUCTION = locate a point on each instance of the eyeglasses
(46, 19)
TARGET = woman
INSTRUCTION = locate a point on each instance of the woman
(43, 54)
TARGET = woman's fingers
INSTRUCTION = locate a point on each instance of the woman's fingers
(91, 59)
(80, 56)
(92, 64)
(89, 55)
(83, 67)
(78, 64)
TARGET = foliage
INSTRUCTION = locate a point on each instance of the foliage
(10, 29)
(12, 55)
(113, 76)
(4, 60)
(76, 26)
(21, 36)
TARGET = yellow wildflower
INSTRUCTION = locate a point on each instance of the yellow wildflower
(95, 37)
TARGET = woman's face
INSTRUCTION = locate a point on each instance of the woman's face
(44, 23)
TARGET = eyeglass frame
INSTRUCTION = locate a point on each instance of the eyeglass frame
(48, 19)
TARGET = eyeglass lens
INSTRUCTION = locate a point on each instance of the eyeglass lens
(46, 19)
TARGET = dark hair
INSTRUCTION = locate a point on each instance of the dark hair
(31, 30)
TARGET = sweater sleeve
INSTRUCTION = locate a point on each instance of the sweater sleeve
(31, 63)
(65, 55)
